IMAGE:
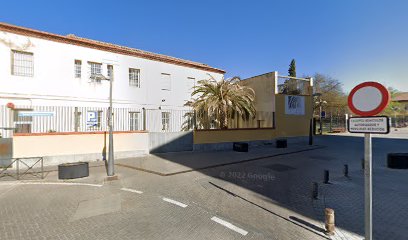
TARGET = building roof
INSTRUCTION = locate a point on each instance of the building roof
(109, 47)
(401, 96)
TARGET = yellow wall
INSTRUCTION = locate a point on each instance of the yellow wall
(264, 87)
(292, 125)
(55, 145)
(235, 135)
(286, 126)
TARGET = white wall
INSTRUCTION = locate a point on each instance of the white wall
(54, 82)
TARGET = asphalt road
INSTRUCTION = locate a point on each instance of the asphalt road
(264, 199)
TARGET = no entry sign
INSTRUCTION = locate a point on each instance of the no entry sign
(368, 99)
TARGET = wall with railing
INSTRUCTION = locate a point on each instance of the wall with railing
(63, 119)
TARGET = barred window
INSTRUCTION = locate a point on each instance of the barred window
(165, 121)
(22, 63)
(78, 68)
(110, 71)
(77, 120)
(22, 123)
(95, 68)
(134, 77)
(134, 121)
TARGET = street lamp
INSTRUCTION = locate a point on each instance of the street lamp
(320, 103)
(111, 164)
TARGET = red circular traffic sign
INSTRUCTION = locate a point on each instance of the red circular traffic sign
(368, 99)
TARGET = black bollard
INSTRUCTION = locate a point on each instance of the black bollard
(346, 170)
(362, 163)
(315, 190)
(326, 177)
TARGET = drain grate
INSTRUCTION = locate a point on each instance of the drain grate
(280, 167)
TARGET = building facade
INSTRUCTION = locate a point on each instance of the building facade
(402, 97)
(67, 77)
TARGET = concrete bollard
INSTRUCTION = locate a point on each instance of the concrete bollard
(315, 190)
(326, 177)
(346, 170)
(329, 223)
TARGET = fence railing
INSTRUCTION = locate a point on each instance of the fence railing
(48, 119)
(293, 86)
(24, 166)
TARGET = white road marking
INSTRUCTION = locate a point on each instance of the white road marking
(230, 226)
(54, 183)
(131, 190)
(175, 202)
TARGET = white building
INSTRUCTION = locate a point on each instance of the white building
(45, 72)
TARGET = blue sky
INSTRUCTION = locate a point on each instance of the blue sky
(351, 40)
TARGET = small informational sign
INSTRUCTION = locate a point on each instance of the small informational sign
(323, 114)
(35, 114)
(294, 105)
(377, 125)
(92, 118)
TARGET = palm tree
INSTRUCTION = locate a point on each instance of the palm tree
(222, 100)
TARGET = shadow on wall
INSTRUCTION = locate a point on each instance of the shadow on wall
(161, 142)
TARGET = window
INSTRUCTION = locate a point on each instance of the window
(134, 77)
(189, 87)
(78, 68)
(22, 120)
(22, 64)
(165, 81)
(99, 125)
(110, 71)
(77, 120)
(165, 121)
(95, 68)
(134, 121)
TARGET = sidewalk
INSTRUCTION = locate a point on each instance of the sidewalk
(166, 164)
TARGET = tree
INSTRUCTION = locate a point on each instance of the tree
(331, 91)
(290, 85)
(221, 100)
(292, 68)
(394, 108)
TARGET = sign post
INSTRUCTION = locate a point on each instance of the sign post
(367, 100)
(368, 187)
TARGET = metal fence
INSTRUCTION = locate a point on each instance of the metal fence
(399, 121)
(48, 119)
(334, 123)
(293, 86)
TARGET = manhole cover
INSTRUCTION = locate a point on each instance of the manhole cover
(280, 167)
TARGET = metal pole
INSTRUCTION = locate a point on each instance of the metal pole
(311, 132)
(320, 116)
(368, 187)
(331, 120)
(18, 169)
(111, 168)
(42, 168)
